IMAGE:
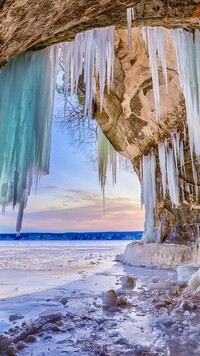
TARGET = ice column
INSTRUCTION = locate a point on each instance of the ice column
(27, 86)
(172, 177)
(162, 160)
(149, 196)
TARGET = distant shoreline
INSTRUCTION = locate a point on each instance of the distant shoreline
(73, 236)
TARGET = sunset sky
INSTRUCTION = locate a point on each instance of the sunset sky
(70, 198)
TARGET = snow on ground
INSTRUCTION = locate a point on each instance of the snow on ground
(51, 303)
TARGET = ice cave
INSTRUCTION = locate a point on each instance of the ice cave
(164, 150)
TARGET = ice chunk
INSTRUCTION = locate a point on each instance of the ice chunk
(194, 281)
(184, 272)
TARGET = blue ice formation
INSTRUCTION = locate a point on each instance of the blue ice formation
(27, 87)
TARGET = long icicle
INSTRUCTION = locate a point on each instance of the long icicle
(130, 17)
(106, 156)
(149, 195)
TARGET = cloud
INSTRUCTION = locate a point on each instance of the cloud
(117, 216)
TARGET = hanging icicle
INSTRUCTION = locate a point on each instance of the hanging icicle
(188, 59)
(149, 196)
(106, 156)
(172, 177)
(130, 18)
(162, 160)
(27, 86)
(182, 158)
(156, 47)
(91, 53)
(144, 34)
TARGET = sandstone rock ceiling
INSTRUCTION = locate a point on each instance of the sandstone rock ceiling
(37, 24)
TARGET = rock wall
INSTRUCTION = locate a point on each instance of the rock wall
(129, 121)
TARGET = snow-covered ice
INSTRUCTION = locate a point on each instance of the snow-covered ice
(51, 302)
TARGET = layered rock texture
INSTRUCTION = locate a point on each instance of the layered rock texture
(128, 117)
(37, 24)
(129, 121)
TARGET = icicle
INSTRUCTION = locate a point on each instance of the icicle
(197, 193)
(23, 203)
(173, 135)
(156, 46)
(172, 177)
(182, 158)
(27, 86)
(144, 34)
(162, 160)
(106, 155)
(113, 162)
(130, 17)
(198, 229)
(149, 196)
(184, 133)
(188, 60)
(90, 49)
(141, 182)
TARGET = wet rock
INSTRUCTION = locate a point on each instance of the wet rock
(16, 316)
(31, 339)
(20, 345)
(128, 282)
(188, 306)
(110, 298)
(154, 279)
(11, 351)
(122, 301)
(63, 301)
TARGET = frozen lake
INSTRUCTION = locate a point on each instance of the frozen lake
(51, 303)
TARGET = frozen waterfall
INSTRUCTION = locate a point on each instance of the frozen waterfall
(27, 86)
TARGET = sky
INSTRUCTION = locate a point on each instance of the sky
(70, 198)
